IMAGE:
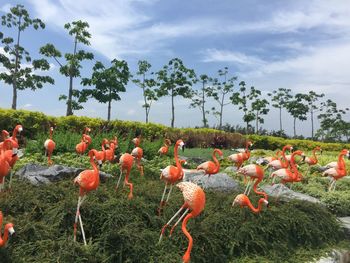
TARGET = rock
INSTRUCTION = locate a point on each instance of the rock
(193, 160)
(231, 169)
(286, 194)
(345, 223)
(336, 256)
(220, 182)
(37, 174)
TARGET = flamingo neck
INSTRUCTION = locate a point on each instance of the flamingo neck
(4, 239)
(51, 134)
(283, 159)
(94, 166)
(341, 162)
(258, 209)
(217, 164)
(186, 257)
(292, 164)
(14, 134)
(314, 155)
(257, 181)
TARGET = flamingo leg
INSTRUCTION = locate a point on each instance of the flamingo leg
(331, 184)
(167, 199)
(178, 221)
(167, 224)
(247, 189)
(82, 229)
(77, 214)
(250, 187)
(120, 176)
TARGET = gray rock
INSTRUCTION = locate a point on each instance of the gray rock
(345, 223)
(231, 169)
(286, 194)
(193, 160)
(220, 182)
(37, 174)
(336, 256)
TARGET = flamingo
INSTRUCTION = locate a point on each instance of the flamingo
(49, 147)
(194, 200)
(113, 144)
(101, 155)
(279, 164)
(137, 153)
(210, 167)
(312, 160)
(243, 200)
(4, 135)
(8, 230)
(268, 159)
(289, 175)
(254, 171)
(331, 165)
(239, 158)
(171, 174)
(87, 180)
(339, 172)
(81, 147)
(125, 164)
(164, 149)
(5, 167)
(87, 136)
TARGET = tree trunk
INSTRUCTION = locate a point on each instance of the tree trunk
(221, 110)
(172, 108)
(144, 97)
(70, 92)
(312, 124)
(203, 108)
(257, 123)
(14, 81)
(295, 134)
(281, 120)
(109, 106)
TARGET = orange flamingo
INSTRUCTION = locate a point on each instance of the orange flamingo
(113, 144)
(165, 148)
(290, 175)
(313, 159)
(101, 155)
(5, 167)
(339, 172)
(210, 167)
(282, 161)
(255, 172)
(4, 135)
(8, 230)
(87, 136)
(242, 200)
(87, 180)
(137, 153)
(17, 130)
(194, 200)
(239, 158)
(81, 147)
(49, 147)
(268, 159)
(125, 164)
(171, 174)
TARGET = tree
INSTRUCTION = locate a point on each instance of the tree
(108, 82)
(174, 79)
(219, 92)
(280, 99)
(19, 73)
(298, 109)
(258, 107)
(240, 98)
(199, 97)
(312, 99)
(77, 29)
(147, 85)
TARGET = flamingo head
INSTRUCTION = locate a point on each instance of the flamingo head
(219, 152)
(51, 129)
(180, 144)
(249, 144)
(346, 153)
(240, 199)
(87, 130)
(10, 228)
(19, 128)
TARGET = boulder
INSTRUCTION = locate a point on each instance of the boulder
(37, 174)
(284, 193)
(231, 169)
(336, 256)
(345, 223)
(220, 182)
(193, 160)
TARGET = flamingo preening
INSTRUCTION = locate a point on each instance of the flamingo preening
(339, 172)
(242, 200)
(125, 164)
(165, 148)
(194, 200)
(137, 153)
(8, 230)
(282, 161)
(255, 172)
(171, 174)
(49, 147)
(113, 144)
(5, 167)
(239, 158)
(87, 180)
(81, 147)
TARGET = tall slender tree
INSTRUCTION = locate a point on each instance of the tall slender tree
(313, 100)
(108, 82)
(220, 90)
(147, 85)
(71, 69)
(200, 97)
(280, 99)
(298, 109)
(17, 61)
(258, 107)
(174, 79)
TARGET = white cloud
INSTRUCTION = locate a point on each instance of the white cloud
(6, 8)
(27, 105)
(131, 112)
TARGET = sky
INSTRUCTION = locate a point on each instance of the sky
(295, 44)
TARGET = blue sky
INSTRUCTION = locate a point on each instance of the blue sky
(301, 45)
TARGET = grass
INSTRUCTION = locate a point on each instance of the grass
(120, 230)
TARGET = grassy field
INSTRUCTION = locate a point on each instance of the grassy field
(119, 230)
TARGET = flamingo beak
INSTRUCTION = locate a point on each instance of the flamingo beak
(11, 231)
(99, 164)
(20, 129)
(348, 155)
(266, 203)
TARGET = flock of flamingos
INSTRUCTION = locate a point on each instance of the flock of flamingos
(283, 166)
